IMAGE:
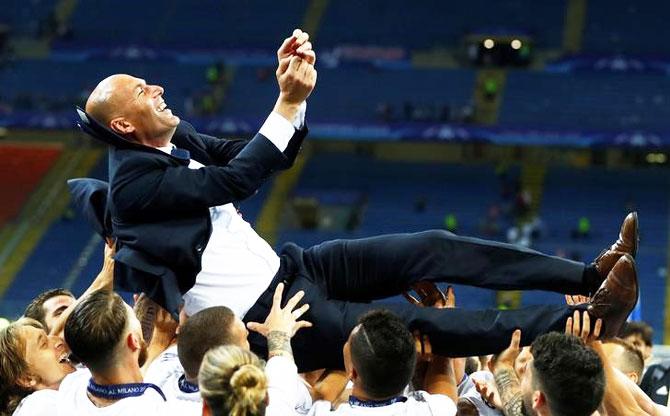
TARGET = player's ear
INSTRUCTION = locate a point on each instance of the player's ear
(121, 125)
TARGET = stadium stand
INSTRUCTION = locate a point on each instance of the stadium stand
(630, 27)
(26, 18)
(221, 24)
(248, 95)
(435, 23)
(587, 100)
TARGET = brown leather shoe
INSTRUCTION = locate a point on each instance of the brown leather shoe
(629, 238)
(617, 296)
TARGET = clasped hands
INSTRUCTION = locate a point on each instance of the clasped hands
(295, 73)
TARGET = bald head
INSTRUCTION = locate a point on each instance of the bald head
(134, 109)
(105, 101)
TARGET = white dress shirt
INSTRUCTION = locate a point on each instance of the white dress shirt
(237, 264)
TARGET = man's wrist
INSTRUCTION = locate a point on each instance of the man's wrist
(286, 109)
(502, 366)
(279, 344)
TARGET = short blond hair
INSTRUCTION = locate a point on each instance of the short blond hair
(232, 382)
(13, 365)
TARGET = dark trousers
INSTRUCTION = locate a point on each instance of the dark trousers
(341, 278)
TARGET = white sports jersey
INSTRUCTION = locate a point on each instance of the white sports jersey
(166, 371)
(39, 403)
(73, 400)
(418, 403)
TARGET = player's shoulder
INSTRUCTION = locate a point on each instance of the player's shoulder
(41, 402)
(435, 404)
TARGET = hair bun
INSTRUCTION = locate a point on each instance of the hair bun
(248, 380)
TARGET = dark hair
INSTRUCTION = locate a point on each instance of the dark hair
(35, 309)
(633, 361)
(382, 351)
(638, 328)
(206, 329)
(569, 373)
(95, 327)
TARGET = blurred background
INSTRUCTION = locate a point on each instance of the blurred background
(538, 123)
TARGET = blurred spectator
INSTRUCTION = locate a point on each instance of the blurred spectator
(490, 89)
(490, 225)
(583, 229)
(451, 222)
(523, 203)
(384, 112)
(420, 204)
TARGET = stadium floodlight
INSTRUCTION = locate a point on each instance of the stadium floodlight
(489, 43)
(516, 44)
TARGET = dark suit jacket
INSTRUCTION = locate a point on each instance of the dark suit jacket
(160, 208)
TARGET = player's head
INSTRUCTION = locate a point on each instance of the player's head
(205, 330)
(48, 306)
(379, 355)
(625, 357)
(103, 332)
(641, 335)
(133, 108)
(232, 382)
(30, 360)
(563, 377)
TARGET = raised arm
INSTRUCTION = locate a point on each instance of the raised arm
(103, 281)
(507, 380)
(141, 182)
(279, 327)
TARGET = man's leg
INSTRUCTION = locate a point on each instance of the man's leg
(384, 266)
(454, 332)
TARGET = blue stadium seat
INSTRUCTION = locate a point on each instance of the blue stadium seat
(601, 101)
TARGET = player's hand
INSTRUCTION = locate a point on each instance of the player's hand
(284, 319)
(296, 79)
(145, 310)
(576, 299)
(424, 349)
(579, 325)
(509, 355)
(297, 44)
(429, 295)
(489, 393)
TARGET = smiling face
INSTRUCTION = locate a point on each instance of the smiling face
(54, 307)
(46, 357)
(134, 109)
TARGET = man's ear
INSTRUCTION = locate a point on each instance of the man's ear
(27, 381)
(633, 376)
(539, 400)
(353, 374)
(121, 126)
(205, 409)
(133, 342)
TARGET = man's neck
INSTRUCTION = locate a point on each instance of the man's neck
(192, 380)
(358, 392)
(156, 141)
(124, 374)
